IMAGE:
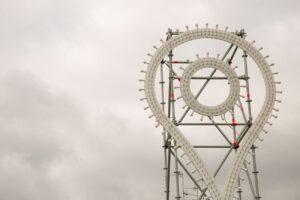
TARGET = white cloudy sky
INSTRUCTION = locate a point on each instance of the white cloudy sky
(71, 123)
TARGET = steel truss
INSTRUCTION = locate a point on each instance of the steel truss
(175, 158)
(170, 147)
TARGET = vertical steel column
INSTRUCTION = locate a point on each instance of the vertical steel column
(249, 180)
(162, 82)
(247, 83)
(170, 79)
(168, 142)
(182, 185)
(233, 124)
(176, 173)
(173, 116)
(168, 169)
(255, 172)
(172, 95)
(239, 191)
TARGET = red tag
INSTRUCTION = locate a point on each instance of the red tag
(233, 122)
(248, 96)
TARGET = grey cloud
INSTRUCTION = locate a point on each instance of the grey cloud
(32, 123)
(71, 127)
(50, 150)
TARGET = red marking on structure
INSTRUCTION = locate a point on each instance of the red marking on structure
(233, 122)
(172, 96)
(235, 144)
(175, 62)
(248, 96)
(242, 109)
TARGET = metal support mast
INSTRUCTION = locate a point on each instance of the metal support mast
(170, 147)
(231, 121)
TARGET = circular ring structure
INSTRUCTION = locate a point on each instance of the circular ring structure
(192, 102)
(176, 134)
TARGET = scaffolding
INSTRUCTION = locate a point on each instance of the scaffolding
(181, 178)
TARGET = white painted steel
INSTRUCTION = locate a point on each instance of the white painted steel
(270, 90)
(193, 103)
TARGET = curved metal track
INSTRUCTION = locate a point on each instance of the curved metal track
(176, 134)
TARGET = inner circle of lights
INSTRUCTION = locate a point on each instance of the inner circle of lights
(253, 132)
(192, 102)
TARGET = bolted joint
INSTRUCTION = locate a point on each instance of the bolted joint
(239, 190)
(235, 144)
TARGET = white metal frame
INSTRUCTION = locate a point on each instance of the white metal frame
(170, 127)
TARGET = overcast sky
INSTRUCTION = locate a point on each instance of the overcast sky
(72, 126)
